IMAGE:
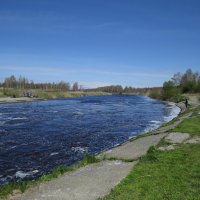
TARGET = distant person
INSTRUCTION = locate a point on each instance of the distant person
(186, 103)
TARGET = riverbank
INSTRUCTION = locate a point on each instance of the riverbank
(18, 100)
(170, 169)
(96, 180)
(45, 95)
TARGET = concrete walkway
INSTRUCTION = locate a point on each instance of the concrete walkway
(86, 183)
(135, 149)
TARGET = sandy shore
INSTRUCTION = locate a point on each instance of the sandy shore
(18, 100)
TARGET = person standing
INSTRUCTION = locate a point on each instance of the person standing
(186, 103)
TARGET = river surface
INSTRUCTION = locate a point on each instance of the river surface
(37, 137)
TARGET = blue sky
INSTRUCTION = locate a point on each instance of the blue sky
(99, 42)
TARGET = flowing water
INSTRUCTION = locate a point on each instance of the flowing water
(37, 137)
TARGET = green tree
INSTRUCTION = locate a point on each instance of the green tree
(169, 90)
(189, 81)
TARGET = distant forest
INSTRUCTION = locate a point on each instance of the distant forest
(23, 83)
(188, 82)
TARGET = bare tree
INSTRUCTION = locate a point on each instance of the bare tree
(177, 79)
(75, 86)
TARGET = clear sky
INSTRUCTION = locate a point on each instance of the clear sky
(99, 42)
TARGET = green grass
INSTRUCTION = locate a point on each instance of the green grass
(163, 142)
(7, 189)
(172, 175)
(190, 125)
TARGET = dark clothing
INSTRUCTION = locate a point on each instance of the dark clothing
(186, 103)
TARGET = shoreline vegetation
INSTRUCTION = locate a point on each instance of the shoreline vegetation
(174, 90)
(170, 169)
(40, 95)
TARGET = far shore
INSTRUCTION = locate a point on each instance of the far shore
(5, 100)
(42, 96)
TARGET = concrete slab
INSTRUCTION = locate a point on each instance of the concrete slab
(193, 140)
(177, 138)
(87, 183)
(135, 149)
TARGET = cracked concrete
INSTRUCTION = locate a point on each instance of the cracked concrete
(87, 183)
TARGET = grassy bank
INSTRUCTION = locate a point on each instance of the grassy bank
(163, 175)
(170, 175)
(191, 125)
(49, 94)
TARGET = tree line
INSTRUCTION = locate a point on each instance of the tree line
(189, 82)
(24, 83)
(118, 89)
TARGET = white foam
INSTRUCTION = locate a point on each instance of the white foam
(130, 137)
(54, 153)
(151, 127)
(52, 111)
(13, 147)
(117, 162)
(35, 171)
(17, 118)
(79, 149)
(21, 174)
(116, 145)
(154, 124)
(174, 111)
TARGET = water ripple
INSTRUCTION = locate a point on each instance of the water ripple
(36, 137)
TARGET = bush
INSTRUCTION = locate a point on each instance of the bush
(169, 90)
(155, 95)
(178, 98)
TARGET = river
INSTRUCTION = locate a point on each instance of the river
(36, 137)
